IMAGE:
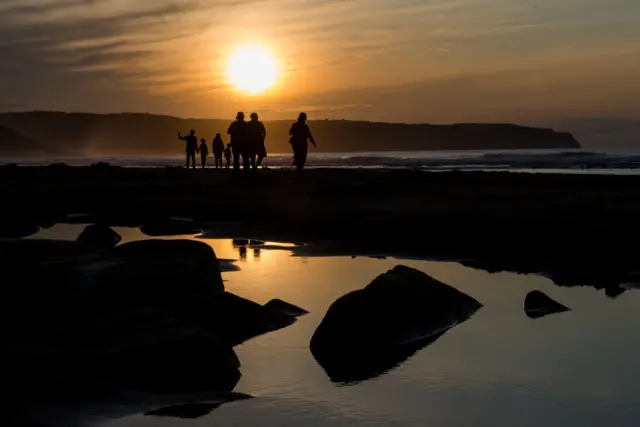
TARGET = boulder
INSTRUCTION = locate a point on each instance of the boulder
(286, 308)
(195, 261)
(99, 235)
(235, 319)
(538, 304)
(171, 227)
(16, 229)
(399, 310)
(150, 314)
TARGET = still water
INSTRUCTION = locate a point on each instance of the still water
(498, 368)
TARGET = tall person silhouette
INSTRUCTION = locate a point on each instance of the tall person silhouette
(238, 133)
(257, 134)
(191, 146)
(300, 134)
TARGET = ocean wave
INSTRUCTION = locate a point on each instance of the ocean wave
(464, 160)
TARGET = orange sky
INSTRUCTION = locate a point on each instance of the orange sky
(389, 60)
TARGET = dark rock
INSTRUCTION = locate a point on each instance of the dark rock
(149, 315)
(99, 235)
(537, 305)
(236, 319)
(398, 312)
(193, 263)
(16, 229)
(286, 308)
(100, 165)
(171, 228)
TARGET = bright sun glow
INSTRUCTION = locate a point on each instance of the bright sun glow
(252, 70)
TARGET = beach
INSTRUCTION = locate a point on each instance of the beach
(520, 222)
(204, 253)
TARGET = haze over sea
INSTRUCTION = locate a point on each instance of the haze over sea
(542, 161)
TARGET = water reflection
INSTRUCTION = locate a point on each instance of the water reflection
(351, 369)
(487, 371)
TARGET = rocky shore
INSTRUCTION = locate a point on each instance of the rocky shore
(575, 229)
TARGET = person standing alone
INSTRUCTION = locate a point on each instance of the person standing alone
(238, 132)
(191, 147)
(218, 149)
(300, 133)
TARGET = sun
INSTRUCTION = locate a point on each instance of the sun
(252, 69)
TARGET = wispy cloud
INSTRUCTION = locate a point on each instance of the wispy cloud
(162, 55)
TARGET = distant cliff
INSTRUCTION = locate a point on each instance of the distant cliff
(140, 134)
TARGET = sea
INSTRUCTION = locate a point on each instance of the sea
(539, 161)
(499, 368)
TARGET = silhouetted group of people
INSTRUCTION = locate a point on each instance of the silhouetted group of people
(247, 142)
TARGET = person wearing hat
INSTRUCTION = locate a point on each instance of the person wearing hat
(191, 146)
(257, 134)
(238, 133)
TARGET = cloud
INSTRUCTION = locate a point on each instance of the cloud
(338, 56)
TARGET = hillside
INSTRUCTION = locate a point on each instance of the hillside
(140, 134)
(14, 143)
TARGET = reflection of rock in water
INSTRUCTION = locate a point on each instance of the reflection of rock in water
(352, 368)
(192, 410)
(537, 305)
(242, 251)
(53, 402)
(257, 254)
(369, 331)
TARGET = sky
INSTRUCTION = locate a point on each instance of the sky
(436, 61)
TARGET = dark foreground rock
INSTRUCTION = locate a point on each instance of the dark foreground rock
(286, 308)
(99, 235)
(151, 315)
(537, 304)
(12, 229)
(172, 227)
(369, 330)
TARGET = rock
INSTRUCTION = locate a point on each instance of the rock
(100, 165)
(193, 262)
(286, 308)
(150, 315)
(235, 319)
(397, 312)
(99, 235)
(172, 227)
(16, 229)
(537, 305)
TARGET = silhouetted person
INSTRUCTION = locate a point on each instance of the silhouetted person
(238, 132)
(257, 134)
(191, 146)
(300, 133)
(204, 152)
(227, 155)
(218, 149)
